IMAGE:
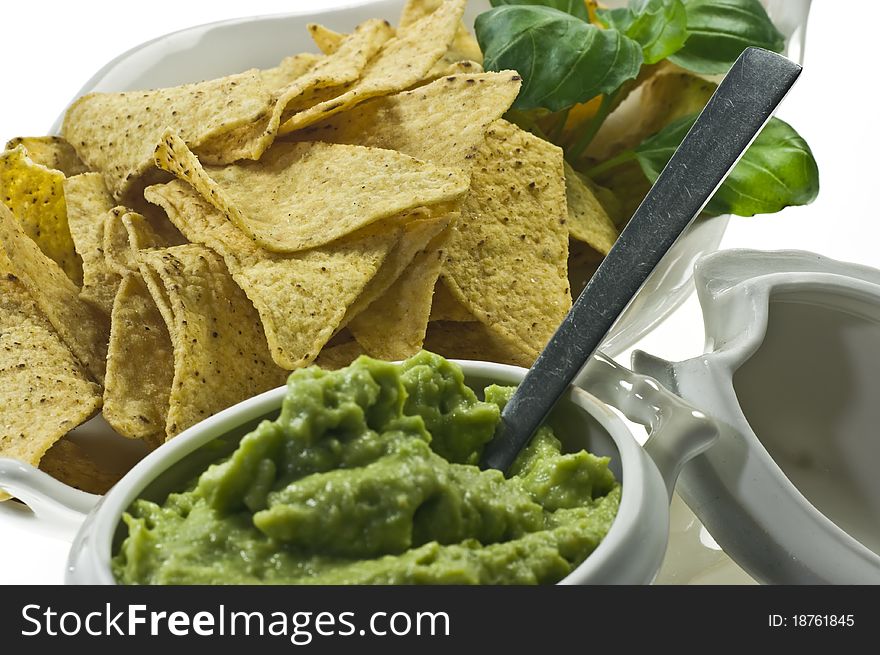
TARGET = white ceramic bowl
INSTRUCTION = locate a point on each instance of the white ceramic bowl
(790, 491)
(631, 553)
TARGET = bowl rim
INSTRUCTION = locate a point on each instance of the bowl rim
(95, 537)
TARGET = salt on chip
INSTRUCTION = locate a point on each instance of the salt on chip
(402, 61)
(52, 152)
(327, 40)
(303, 195)
(507, 258)
(70, 463)
(417, 234)
(587, 219)
(44, 392)
(35, 194)
(80, 325)
(394, 325)
(302, 297)
(473, 340)
(220, 351)
(88, 202)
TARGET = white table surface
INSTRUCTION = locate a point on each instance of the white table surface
(48, 58)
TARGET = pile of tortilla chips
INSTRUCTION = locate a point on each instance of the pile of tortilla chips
(178, 250)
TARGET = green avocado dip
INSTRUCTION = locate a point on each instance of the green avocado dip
(370, 476)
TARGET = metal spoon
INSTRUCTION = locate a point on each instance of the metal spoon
(741, 105)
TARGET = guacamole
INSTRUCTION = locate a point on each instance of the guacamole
(369, 476)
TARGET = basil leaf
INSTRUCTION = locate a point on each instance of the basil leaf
(574, 7)
(562, 59)
(778, 169)
(659, 26)
(720, 30)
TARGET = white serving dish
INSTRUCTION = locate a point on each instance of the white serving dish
(790, 489)
(631, 553)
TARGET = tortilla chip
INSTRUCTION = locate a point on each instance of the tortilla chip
(393, 326)
(444, 68)
(140, 364)
(52, 152)
(417, 235)
(507, 257)
(587, 219)
(402, 61)
(277, 79)
(44, 392)
(464, 46)
(340, 355)
(220, 351)
(326, 39)
(88, 202)
(474, 341)
(326, 79)
(35, 194)
(443, 122)
(304, 195)
(115, 133)
(301, 297)
(73, 465)
(445, 307)
(80, 325)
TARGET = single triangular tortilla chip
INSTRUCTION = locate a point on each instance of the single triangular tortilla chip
(35, 194)
(446, 307)
(140, 364)
(304, 195)
(88, 202)
(52, 152)
(80, 325)
(443, 122)
(327, 40)
(473, 340)
(302, 297)
(402, 61)
(507, 258)
(44, 392)
(587, 220)
(70, 463)
(393, 326)
(220, 351)
(417, 236)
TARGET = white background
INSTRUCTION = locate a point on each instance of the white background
(48, 50)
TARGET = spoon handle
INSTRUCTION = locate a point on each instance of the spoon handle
(741, 105)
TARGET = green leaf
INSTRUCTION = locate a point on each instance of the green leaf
(574, 7)
(659, 26)
(562, 59)
(720, 30)
(778, 170)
